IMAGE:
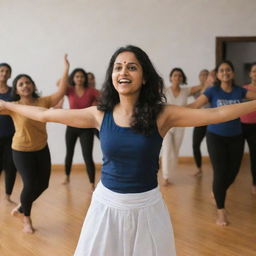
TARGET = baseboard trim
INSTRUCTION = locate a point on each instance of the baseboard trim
(76, 166)
(182, 160)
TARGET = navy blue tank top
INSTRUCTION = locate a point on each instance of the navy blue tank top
(130, 159)
(6, 123)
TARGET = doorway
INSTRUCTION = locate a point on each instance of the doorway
(241, 51)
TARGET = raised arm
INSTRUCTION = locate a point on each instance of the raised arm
(81, 118)
(175, 116)
(62, 84)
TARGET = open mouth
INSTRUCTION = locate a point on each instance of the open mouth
(124, 81)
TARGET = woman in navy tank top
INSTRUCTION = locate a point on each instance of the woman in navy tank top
(127, 215)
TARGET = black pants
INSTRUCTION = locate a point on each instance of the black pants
(96, 133)
(226, 155)
(35, 169)
(86, 141)
(249, 133)
(7, 164)
(198, 136)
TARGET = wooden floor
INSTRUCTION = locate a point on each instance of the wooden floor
(58, 216)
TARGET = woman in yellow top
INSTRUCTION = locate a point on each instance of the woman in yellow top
(30, 150)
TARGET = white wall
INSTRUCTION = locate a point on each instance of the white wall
(35, 34)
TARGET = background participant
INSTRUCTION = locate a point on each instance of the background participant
(249, 128)
(6, 134)
(29, 146)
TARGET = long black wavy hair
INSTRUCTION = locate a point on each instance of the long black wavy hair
(151, 98)
(14, 94)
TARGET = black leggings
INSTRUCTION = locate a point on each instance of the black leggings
(226, 155)
(249, 133)
(198, 136)
(7, 164)
(86, 140)
(35, 169)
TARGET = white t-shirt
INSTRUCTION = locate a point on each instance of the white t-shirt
(181, 99)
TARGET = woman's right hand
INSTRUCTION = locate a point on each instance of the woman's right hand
(66, 62)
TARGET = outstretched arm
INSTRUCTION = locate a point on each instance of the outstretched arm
(199, 102)
(250, 95)
(175, 116)
(81, 118)
(62, 84)
(195, 89)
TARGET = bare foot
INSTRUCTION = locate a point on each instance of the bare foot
(27, 225)
(198, 173)
(8, 199)
(16, 213)
(92, 187)
(166, 183)
(221, 218)
(66, 181)
(253, 189)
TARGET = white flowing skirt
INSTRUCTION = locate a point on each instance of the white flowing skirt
(126, 225)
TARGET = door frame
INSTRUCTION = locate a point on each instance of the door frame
(221, 45)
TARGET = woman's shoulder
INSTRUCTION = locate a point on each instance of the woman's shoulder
(166, 116)
(186, 89)
(166, 89)
(44, 101)
(213, 88)
(98, 115)
(249, 87)
(92, 90)
(239, 88)
(70, 89)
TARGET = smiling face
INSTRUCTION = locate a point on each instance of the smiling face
(5, 74)
(225, 73)
(25, 87)
(127, 74)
